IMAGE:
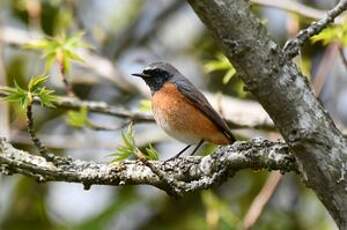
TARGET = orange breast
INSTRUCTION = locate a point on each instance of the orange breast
(181, 120)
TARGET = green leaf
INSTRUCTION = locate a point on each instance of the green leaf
(60, 49)
(145, 106)
(336, 33)
(50, 59)
(221, 63)
(38, 44)
(128, 148)
(35, 89)
(227, 77)
(78, 119)
(152, 153)
(17, 95)
(72, 56)
(47, 97)
(36, 83)
(128, 137)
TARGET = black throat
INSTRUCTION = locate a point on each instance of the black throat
(155, 83)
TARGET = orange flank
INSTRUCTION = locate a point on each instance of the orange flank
(181, 119)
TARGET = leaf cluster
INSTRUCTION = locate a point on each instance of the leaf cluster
(221, 63)
(335, 33)
(145, 105)
(129, 148)
(60, 49)
(36, 88)
(78, 119)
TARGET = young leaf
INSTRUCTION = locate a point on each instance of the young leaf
(145, 105)
(17, 94)
(221, 63)
(152, 153)
(36, 83)
(79, 118)
(337, 33)
(47, 97)
(35, 89)
(227, 77)
(128, 148)
(61, 49)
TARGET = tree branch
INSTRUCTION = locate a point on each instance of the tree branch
(99, 65)
(292, 47)
(187, 174)
(318, 146)
(240, 114)
(293, 7)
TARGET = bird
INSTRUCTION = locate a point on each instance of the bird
(181, 110)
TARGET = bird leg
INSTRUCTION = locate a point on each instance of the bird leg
(197, 147)
(179, 154)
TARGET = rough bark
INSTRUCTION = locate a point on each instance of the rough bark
(286, 95)
(183, 175)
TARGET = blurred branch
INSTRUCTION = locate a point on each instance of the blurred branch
(4, 109)
(145, 25)
(292, 47)
(238, 113)
(100, 65)
(293, 7)
(324, 67)
(342, 55)
(186, 174)
(261, 200)
(84, 140)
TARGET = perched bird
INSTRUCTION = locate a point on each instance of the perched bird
(181, 109)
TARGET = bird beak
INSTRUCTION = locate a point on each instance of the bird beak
(142, 75)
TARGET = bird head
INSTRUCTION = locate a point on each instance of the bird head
(157, 74)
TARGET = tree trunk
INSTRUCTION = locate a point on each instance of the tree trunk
(318, 146)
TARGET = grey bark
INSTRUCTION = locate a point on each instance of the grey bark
(179, 176)
(318, 146)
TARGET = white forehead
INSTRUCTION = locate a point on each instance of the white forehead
(147, 68)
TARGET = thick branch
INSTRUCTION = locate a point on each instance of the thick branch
(187, 174)
(286, 95)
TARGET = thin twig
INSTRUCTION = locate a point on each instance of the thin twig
(262, 199)
(98, 127)
(4, 108)
(242, 119)
(62, 72)
(30, 127)
(324, 67)
(34, 9)
(292, 47)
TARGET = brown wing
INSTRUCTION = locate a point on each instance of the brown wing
(199, 101)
